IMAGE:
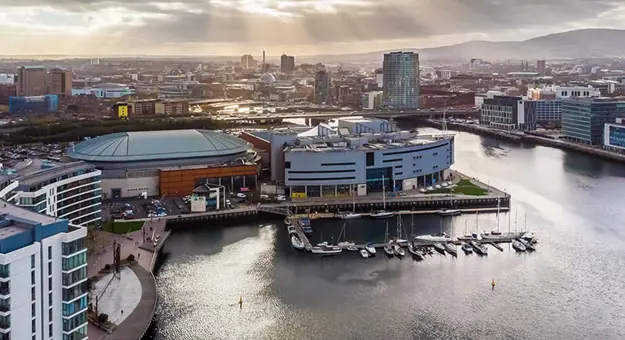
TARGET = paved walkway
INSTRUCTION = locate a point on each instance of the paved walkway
(137, 317)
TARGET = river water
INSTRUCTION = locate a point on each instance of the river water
(572, 287)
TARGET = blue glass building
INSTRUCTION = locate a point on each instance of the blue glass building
(401, 80)
(583, 119)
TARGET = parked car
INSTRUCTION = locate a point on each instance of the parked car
(281, 198)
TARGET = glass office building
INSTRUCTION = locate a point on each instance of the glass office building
(584, 119)
(401, 80)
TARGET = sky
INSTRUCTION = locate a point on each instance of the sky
(296, 27)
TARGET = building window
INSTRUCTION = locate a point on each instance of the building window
(32, 261)
(370, 158)
(50, 283)
(32, 277)
(50, 330)
(50, 315)
(33, 309)
(32, 294)
(50, 299)
(287, 165)
(34, 325)
(49, 268)
(49, 252)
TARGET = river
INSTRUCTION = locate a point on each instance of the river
(572, 287)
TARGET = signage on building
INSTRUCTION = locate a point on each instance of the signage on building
(122, 111)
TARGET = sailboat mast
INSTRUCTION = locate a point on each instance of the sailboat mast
(383, 194)
(498, 209)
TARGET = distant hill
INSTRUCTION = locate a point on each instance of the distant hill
(585, 43)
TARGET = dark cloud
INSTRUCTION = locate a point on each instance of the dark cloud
(380, 20)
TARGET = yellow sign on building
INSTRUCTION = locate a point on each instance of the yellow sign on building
(298, 195)
(122, 111)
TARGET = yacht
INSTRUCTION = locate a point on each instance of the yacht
(467, 248)
(381, 214)
(528, 245)
(291, 230)
(296, 242)
(326, 250)
(449, 212)
(347, 215)
(364, 253)
(352, 248)
(399, 251)
(388, 249)
(433, 238)
(416, 253)
(479, 248)
(439, 248)
(451, 248)
(518, 246)
(370, 248)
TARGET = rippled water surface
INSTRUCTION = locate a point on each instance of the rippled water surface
(573, 287)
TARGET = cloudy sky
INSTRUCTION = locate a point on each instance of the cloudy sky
(299, 27)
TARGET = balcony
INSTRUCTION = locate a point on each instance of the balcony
(5, 326)
(74, 336)
(5, 292)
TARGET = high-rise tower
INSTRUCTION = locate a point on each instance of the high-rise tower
(401, 80)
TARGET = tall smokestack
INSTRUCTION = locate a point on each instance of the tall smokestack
(264, 68)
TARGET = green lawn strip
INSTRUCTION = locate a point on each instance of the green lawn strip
(122, 227)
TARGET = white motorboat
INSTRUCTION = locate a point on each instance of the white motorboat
(467, 248)
(347, 215)
(449, 212)
(416, 253)
(479, 248)
(296, 242)
(381, 214)
(388, 249)
(322, 244)
(451, 248)
(528, 245)
(291, 229)
(326, 250)
(287, 221)
(430, 239)
(399, 251)
(352, 248)
(364, 253)
(439, 248)
(518, 246)
(370, 248)
(346, 244)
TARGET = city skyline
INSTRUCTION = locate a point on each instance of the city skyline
(297, 27)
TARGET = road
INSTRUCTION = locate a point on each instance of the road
(336, 114)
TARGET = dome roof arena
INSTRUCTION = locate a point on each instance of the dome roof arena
(157, 145)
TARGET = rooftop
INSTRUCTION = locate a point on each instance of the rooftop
(54, 172)
(158, 145)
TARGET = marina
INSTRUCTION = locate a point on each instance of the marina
(414, 244)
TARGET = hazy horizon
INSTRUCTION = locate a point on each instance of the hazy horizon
(297, 27)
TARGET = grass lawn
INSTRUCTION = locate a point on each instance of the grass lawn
(464, 187)
(122, 227)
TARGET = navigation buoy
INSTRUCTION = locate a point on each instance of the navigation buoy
(241, 301)
(493, 284)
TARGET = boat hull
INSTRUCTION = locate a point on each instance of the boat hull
(382, 216)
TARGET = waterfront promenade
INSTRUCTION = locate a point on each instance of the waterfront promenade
(136, 320)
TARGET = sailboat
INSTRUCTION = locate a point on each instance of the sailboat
(349, 215)
(382, 213)
(388, 249)
(397, 249)
(324, 248)
(346, 244)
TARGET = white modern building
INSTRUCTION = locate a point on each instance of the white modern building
(71, 191)
(562, 92)
(372, 100)
(43, 276)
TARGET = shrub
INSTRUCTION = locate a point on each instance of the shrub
(103, 318)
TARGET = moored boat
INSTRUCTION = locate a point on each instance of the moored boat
(467, 248)
(370, 248)
(430, 239)
(364, 253)
(379, 214)
(451, 249)
(416, 253)
(296, 242)
(528, 245)
(347, 215)
(399, 251)
(352, 248)
(439, 248)
(326, 250)
(479, 248)
(449, 212)
(287, 221)
(518, 246)
(388, 249)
